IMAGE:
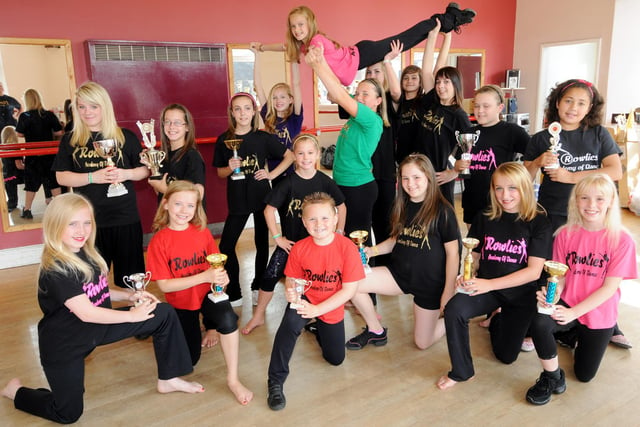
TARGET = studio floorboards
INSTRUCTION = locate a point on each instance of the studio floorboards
(382, 386)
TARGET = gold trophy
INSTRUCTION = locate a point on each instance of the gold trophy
(466, 141)
(108, 148)
(555, 270)
(137, 282)
(234, 144)
(359, 237)
(300, 286)
(151, 157)
(217, 291)
(469, 243)
(554, 143)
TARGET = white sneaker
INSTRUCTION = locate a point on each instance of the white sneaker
(254, 297)
(237, 303)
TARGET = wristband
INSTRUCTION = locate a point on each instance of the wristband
(275, 236)
(90, 178)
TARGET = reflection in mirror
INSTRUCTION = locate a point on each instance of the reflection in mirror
(45, 65)
(241, 59)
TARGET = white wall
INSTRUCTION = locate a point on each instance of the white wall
(624, 75)
(552, 21)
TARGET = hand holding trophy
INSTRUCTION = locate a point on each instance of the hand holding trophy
(555, 270)
(469, 243)
(137, 282)
(217, 290)
(234, 144)
(466, 141)
(300, 287)
(554, 143)
(108, 148)
(151, 157)
(359, 237)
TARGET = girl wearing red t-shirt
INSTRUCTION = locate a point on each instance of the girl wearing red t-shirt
(177, 259)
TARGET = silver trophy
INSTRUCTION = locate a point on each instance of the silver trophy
(554, 143)
(466, 142)
(108, 148)
(300, 286)
(137, 282)
(151, 157)
(234, 144)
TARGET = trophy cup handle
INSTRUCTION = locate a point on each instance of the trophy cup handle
(476, 137)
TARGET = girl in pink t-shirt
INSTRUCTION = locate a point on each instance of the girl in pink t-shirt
(345, 61)
(600, 254)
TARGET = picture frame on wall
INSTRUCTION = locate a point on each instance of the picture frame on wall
(513, 79)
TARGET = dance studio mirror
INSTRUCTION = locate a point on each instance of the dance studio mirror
(45, 65)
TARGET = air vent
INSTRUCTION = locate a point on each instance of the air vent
(162, 53)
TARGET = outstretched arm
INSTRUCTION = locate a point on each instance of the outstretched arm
(443, 54)
(315, 59)
(428, 81)
(295, 88)
(257, 80)
(392, 77)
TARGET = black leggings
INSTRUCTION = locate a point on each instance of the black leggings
(219, 316)
(590, 348)
(64, 403)
(372, 52)
(233, 226)
(330, 337)
(507, 330)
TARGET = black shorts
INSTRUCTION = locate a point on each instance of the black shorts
(426, 296)
(37, 172)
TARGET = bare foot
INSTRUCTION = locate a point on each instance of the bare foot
(178, 384)
(211, 338)
(11, 388)
(242, 394)
(445, 382)
(252, 324)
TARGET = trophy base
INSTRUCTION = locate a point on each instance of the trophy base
(237, 177)
(367, 268)
(218, 297)
(545, 310)
(554, 166)
(465, 174)
(461, 290)
(295, 306)
(156, 177)
(117, 190)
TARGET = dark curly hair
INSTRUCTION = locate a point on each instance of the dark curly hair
(593, 117)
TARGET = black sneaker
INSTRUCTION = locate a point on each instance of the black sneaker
(454, 18)
(366, 337)
(312, 327)
(26, 214)
(541, 392)
(275, 398)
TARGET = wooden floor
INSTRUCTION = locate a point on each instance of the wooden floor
(383, 386)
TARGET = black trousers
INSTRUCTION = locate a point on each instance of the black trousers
(372, 52)
(590, 348)
(233, 226)
(330, 337)
(507, 329)
(122, 245)
(64, 402)
(381, 222)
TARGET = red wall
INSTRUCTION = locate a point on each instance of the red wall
(228, 22)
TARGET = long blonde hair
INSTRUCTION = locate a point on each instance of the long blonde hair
(382, 107)
(93, 93)
(56, 256)
(294, 47)
(518, 175)
(161, 219)
(612, 220)
(33, 101)
(271, 117)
